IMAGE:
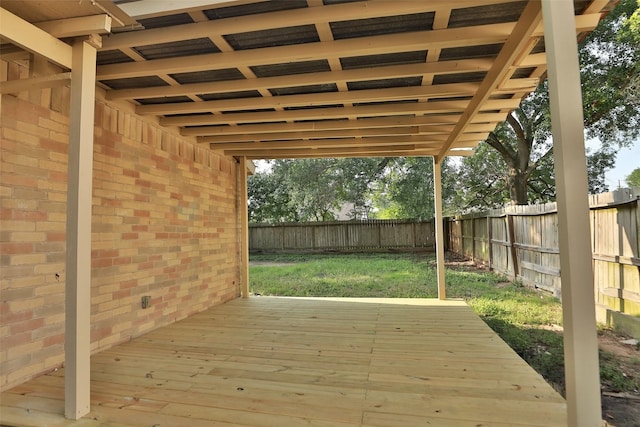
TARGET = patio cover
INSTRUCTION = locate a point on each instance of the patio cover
(313, 78)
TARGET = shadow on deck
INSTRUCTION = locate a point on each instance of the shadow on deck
(306, 362)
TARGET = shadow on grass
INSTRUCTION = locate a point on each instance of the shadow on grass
(542, 349)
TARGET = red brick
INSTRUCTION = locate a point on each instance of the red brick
(101, 262)
(105, 253)
(16, 248)
(28, 325)
(122, 260)
(29, 215)
(56, 146)
(53, 340)
(18, 181)
(15, 340)
(9, 318)
(56, 237)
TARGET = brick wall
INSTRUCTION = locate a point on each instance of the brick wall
(164, 225)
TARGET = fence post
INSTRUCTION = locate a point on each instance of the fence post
(512, 245)
(489, 237)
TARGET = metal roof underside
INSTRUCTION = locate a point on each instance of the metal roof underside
(312, 78)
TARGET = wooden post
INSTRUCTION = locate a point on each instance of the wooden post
(437, 190)
(78, 260)
(489, 237)
(580, 337)
(513, 250)
(244, 229)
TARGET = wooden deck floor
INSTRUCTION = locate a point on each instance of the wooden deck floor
(306, 362)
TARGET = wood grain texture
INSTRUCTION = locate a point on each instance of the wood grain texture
(271, 361)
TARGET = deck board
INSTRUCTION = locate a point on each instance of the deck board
(306, 362)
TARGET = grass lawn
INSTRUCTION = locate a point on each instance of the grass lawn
(527, 320)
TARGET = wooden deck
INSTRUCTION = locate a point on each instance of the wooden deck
(306, 362)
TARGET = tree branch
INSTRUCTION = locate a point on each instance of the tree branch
(507, 153)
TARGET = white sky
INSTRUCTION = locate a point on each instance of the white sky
(627, 160)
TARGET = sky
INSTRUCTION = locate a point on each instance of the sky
(627, 160)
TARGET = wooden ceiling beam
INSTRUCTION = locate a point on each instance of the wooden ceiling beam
(73, 27)
(282, 19)
(529, 20)
(31, 38)
(423, 141)
(310, 154)
(20, 85)
(435, 107)
(327, 152)
(345, 133)
(372, 45)
(313, 99)
(326, 125)
(313, 154)
(586, 22)
(340, 76)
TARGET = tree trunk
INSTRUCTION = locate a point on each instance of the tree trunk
(517, 182)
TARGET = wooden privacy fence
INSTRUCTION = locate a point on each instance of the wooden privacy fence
(521, 242)
(369, 235)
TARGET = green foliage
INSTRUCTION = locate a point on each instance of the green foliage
(610, 69)
(407, 189)
(633, 180)
(482, 182)
(269, 199)
(313, 189)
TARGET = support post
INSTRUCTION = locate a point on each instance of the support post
(437, 199)
(244, 230)
(78, 259)
(578, 307)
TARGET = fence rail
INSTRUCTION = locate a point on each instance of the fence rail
(370, 235)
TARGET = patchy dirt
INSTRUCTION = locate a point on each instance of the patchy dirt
(621, 409)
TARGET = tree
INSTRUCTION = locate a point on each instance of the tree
(406, 190)
(633, 180)
(358, 178)
(269, 199)
(313, 189)
(610, 58)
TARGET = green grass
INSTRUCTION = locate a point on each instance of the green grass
(523, 318)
